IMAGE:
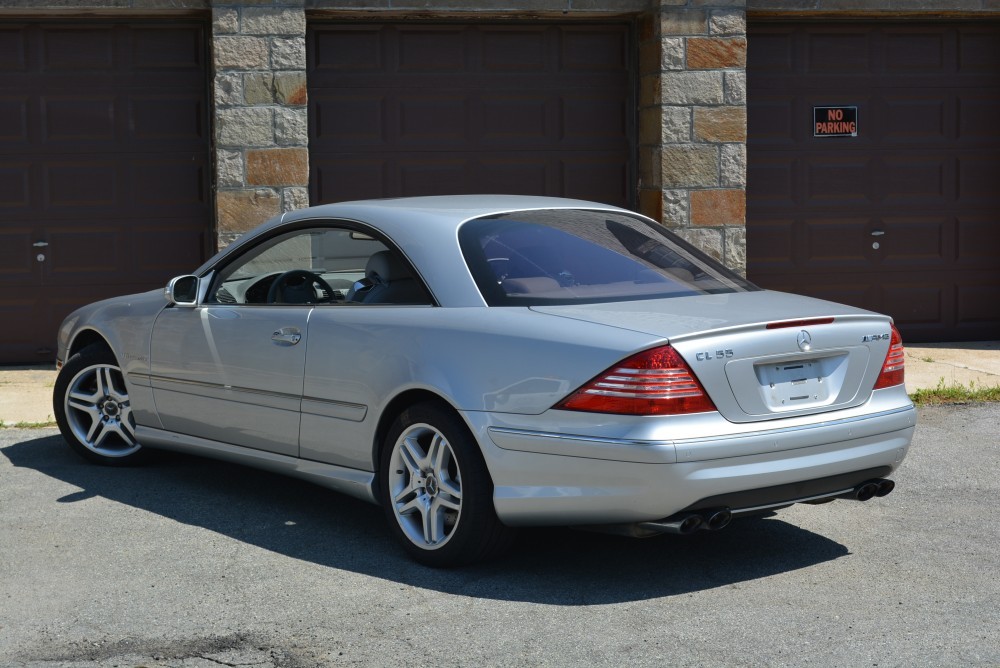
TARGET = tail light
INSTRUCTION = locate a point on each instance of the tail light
(654, 382)
(893, 366)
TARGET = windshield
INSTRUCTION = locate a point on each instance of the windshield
(577, 256)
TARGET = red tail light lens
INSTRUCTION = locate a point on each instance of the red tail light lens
(653, 382)
(893, 366)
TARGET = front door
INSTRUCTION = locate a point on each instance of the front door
(231, 373)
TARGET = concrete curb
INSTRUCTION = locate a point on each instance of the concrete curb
(26, 392)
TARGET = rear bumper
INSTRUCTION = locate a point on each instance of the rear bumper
(550, 478)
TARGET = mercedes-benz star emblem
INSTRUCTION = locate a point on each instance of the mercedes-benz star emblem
(805, 340)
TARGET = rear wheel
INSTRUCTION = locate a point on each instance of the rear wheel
(436, 491)
(93, 409)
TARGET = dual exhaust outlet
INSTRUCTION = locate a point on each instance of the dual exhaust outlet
(685, 523)
(870, 489)
(713, 519)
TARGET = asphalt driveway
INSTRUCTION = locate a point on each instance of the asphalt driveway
(194, 563)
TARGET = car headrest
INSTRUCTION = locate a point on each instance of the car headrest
(385, 267)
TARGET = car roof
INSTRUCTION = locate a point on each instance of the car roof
(426, 230)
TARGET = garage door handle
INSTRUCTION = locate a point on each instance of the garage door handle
(878, 233)
(40, 244)
(286, 337)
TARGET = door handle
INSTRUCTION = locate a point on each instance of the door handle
(286, 336)
(40, 244)
(878, 233)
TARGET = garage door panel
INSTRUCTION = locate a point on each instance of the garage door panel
(163, 247)
(433, 119)
(13, 120)
(977, 117)
(526, 174)
(81, 184)
(170, 122)
(917, 304)
(434, 175)
(173, 185)
(977, 304)
(516, 117)
(833, 182)
(18, 265)
(168, 47)
(773, 182)
(14, 188)
(838, 243)
(774, 246)
(915, 243)
(772, 52)
(340, 177)
(911, 117)
(348, 49)
(917, 51)
(836, 51)
(596, 177)
(83, 255)
(349, 118)
(978, 179)
(592, 119)
(925, 180)
(510, 49)
(586, 49)
(438, 49)
(77, 48)
(773, 118)
(77, 118)
(978, 240)
(978, 52)
(13, 49)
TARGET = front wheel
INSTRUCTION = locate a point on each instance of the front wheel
(93, 409)
(436, 491)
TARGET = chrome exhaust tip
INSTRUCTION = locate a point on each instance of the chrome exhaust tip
(885, 487)
(717, 519)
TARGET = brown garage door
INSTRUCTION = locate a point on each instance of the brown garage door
(902, 218)
(446, 109)
(104, 179)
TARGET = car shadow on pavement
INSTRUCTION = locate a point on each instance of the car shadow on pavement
(303, 521)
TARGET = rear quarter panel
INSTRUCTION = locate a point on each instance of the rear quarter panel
(501, 360)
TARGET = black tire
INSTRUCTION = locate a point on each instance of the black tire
(436, 491)
(93, 410)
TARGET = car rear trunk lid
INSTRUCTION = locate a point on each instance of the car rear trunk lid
(761, 355)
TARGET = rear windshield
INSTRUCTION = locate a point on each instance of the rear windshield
(564, 256)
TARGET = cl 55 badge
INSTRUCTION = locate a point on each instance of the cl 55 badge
(717, 355)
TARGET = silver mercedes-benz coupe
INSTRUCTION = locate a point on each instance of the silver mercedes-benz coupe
(478, 363)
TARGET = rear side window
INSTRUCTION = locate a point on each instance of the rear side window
(566, 256)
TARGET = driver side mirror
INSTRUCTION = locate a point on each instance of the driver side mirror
(182, 291)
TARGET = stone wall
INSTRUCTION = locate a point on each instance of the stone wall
(692, 124)
(261, 125)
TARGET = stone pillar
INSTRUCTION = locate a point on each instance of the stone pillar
(692, 124)
(261, 128)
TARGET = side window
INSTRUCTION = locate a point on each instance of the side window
(326, 265)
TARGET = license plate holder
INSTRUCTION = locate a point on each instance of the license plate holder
(794, 384)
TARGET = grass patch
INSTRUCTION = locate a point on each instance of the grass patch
(955, 393)
(28, 425)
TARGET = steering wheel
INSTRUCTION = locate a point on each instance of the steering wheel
(297, 286)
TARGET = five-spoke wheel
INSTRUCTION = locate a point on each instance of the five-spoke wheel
(436, 490)
(93, 410)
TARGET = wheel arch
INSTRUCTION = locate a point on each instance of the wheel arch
(85, 338)
(392, 410)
